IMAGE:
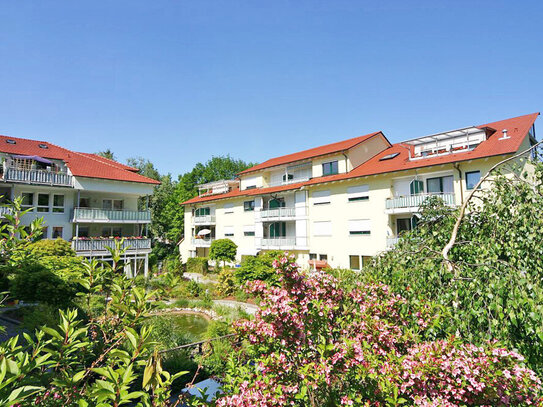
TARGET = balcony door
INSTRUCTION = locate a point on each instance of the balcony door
(278, 229)
(276, 203)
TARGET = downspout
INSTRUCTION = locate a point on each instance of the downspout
(457, 166)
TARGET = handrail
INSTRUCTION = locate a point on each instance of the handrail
(199, 343)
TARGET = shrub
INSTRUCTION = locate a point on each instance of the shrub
(223, 250)
(35, 283)
(38, 316)
(49, 247)
(258, 268)
(197, 265)
(227, 283)
(194, 289)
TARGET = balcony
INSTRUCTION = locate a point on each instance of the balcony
(40, 177)
(278, 213)
(5, 210)
(96, 215)
(202, 242)
(281, 243)
(204, 220)
(411, 203)
(94, 246)
(392, 241)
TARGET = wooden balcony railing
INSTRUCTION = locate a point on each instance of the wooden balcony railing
(99, 245)
(38, 177)
(96, 215)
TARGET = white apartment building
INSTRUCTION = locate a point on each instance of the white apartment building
(83, 198)
(341, 203)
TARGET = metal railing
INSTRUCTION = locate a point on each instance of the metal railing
(278, 241)
(106, 215)
(414, 201)
(202, 242)
(95, 245)
(38, 177)
(4, 210)
(288, 182)
(278, 213)
(204, 219)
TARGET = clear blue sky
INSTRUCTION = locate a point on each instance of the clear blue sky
(179, 81)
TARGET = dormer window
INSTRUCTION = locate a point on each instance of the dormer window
(330, 168)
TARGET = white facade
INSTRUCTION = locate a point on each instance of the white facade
(92, 213)
(340, 220)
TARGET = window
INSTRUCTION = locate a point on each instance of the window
(28, 200)
(403, 225)
(276, 203)
(278, 229)
(115, 204)
(389, 156)
(360, 227)
(83, 231)
(440, 185)
(472, 178)
(288, 177)
(228, 208)
(249, 230)
(354, 262)
(322, 228)
(58, 203)
(203, 211)
(229, 231)
(249, 205)
(250, 187)
(43, 202)
(84, 202)
(57, 232)
(44, 232)
(312, 256)
(323, 257)
(321, 197)
(329, 168)
(416, 187)
(358, 193)
(112, 231)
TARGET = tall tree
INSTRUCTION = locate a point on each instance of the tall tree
(146, 167)
(107, 154)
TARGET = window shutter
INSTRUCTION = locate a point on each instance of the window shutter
(359, 192)
(321, 197)
(359, 226)
(322, 228)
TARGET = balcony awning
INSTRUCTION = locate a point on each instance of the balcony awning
(33, 157)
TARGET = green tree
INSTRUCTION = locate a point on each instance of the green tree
(107, 154)
(223, 250)
(145, 167)
(494, 289)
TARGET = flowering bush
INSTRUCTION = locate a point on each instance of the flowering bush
(315, 344)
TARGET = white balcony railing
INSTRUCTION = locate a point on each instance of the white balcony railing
(38, 177)
(95, 245)
(202, 242)
(290, 181)
(414, 201)
(5, 210)
(278, 213)
(278, 242)
(96, 215)
(204, 220)
(392, 241)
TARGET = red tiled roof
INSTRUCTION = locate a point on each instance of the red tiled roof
(80, 164)
(517, 128)
(312, 152)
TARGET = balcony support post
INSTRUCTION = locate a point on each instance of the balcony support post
(146, 266)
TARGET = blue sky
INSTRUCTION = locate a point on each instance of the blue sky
(179, 81)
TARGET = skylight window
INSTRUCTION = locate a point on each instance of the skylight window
(44, 146)
(10, 141)
(389, 156)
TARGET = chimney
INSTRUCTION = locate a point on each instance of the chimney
(505, 136)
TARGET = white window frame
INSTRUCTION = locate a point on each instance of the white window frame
(228, 231)
(46, 207)
(249, 230)
(33, 195)
(358, 193)
(228, 208)
(58, 208)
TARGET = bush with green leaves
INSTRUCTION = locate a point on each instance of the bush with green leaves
(258, 268)
(50, 247)
(227, 283)
(197, 265)
(223, 250)
(495, 288)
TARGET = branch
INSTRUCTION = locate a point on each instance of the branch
(445, 252)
